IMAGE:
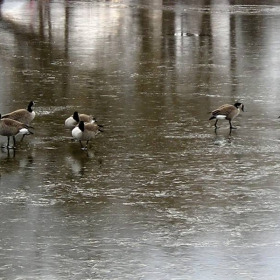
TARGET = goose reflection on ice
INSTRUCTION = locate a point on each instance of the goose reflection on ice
(223, 139)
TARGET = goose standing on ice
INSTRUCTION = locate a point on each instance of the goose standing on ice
(25, 116)
(85, 132)
(9, 127)
(227, 112)
(73, 120)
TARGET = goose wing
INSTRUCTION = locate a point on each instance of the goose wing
(11, 122)
(15, 114)
(85, 117)
(223, 110)
(93, 127)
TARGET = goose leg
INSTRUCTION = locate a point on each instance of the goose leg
(230, 126)
(14, 138)
(84, 148)
(81, 144)
(8, 144)
(86, 145)
(216, 124)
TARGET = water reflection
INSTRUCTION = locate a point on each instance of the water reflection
(9, 152)
(222, 139)
(77, 160)
(160, 194)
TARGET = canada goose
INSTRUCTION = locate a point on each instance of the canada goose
(24, 116)
(73, 120)
(9, 127)
(227, 112)
(85, 132)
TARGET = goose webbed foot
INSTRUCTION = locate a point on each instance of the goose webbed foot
(8, 144)
(82, 147)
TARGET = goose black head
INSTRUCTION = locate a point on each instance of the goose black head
(239, 105)
(30, 105)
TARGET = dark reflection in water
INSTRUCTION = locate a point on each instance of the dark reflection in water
(159, 194)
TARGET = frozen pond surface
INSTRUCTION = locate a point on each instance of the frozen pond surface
(159, 194)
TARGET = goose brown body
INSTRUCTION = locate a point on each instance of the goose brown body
(227, 112)
(9, 127)
(24, 116)
(73, 120)
(86, 132)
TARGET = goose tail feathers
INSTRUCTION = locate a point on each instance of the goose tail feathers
(218, 117)
(25, 131)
